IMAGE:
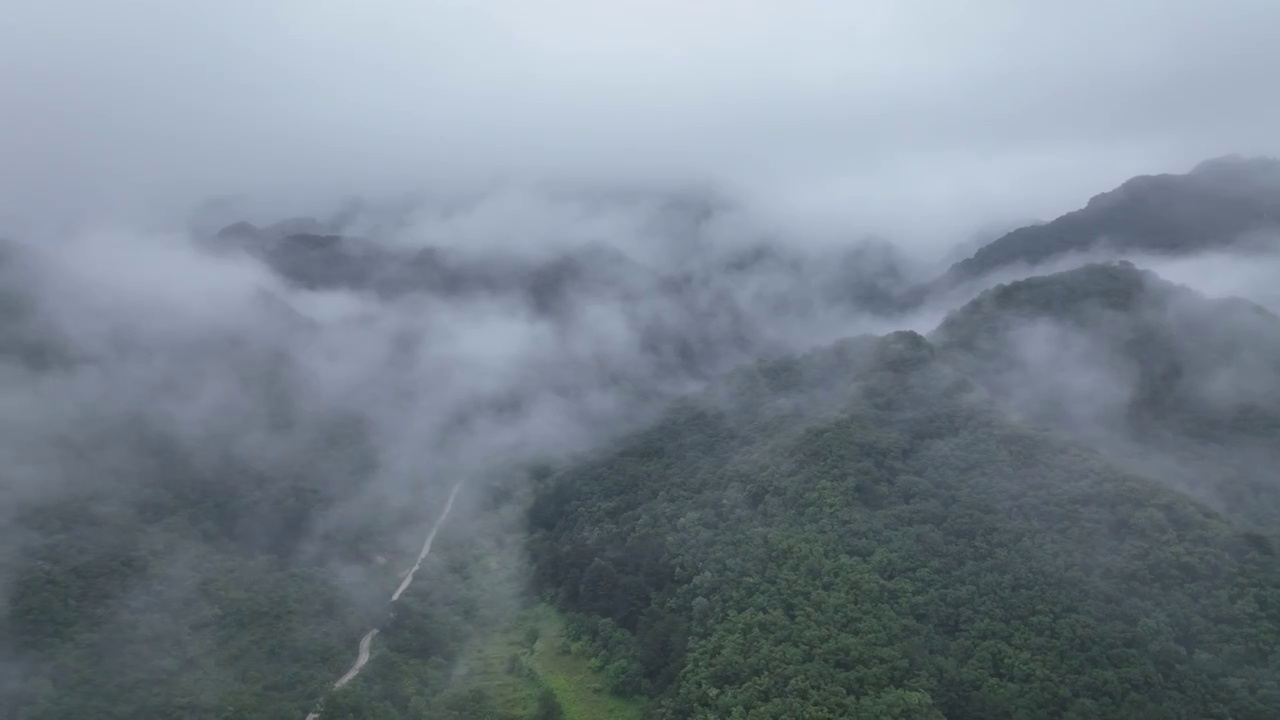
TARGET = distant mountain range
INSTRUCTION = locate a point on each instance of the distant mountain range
(1222, 202)
(702, 306)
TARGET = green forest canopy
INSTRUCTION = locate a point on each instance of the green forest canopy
(862, 531)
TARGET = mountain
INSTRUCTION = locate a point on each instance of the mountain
(1160, 376)
(1221, 202)
(869, 531)
(698, 307)
(1060, 502)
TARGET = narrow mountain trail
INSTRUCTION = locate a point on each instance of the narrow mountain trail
(426, 545)
(362, 656)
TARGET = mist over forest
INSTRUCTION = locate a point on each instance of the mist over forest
(533, 362)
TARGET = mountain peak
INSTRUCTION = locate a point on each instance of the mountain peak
(1239, 166)
(1117, 286)
(1214, 205)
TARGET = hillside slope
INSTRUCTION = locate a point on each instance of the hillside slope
(1164, 380)
(866, 532)
(1221, 202)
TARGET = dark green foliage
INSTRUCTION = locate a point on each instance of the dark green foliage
(473, 704)
(861, 531)
(190, 583)
(226, 637)
(548, 707)
(913, 555)
(1162, 378)
(173, 583)
(618, 656)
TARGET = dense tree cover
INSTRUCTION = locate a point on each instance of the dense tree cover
(115, 614)
(158, 578)
(413, 659)
(1166, 381)
(905, 551)
(468, 590)
(879, 528)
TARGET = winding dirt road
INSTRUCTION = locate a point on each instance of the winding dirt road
(426, 545)
(362, 657)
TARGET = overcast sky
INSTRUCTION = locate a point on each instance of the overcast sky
(911, 115)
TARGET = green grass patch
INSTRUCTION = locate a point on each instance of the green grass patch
(517, 663)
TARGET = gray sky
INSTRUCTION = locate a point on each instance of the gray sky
(917, 117)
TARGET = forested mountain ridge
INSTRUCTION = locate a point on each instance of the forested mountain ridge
(904, 549)
(1160, 376)
(1218, 203)
(172, 540)
(697, 303)
(709, 360)
(1060, 502)
(671, 242)
(166, 580)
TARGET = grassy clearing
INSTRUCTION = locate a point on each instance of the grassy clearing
(515, 664)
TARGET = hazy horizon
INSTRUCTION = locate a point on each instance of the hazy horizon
(922, 123)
